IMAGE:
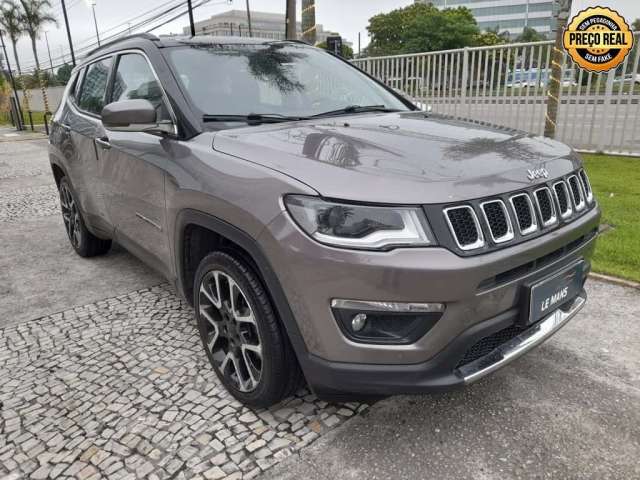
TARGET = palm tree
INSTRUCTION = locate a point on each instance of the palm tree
(35, 16)
(11, 22)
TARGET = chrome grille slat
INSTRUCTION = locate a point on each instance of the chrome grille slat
(524, 213)
(497, 217)
(546, 206)
(577, 195)
(562, 197)
(586, 185)
(465, 227)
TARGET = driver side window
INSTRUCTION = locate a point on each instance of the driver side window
(134, 79)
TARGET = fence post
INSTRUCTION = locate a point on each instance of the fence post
(608, 97)
(465, 78)
(31, 121)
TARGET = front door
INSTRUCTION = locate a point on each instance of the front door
(133, 168)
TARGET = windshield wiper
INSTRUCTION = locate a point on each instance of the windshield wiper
(252, 118)
(357, 109)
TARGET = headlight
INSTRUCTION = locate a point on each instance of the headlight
(359, 226)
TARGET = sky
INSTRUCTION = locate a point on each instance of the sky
(348, 17)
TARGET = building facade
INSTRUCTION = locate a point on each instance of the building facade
(264, 25)
(510, 16)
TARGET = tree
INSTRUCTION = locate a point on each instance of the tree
(635, 25)
(421, 28)
(346, 51)
(530, 35)
(11, 22)
(36, 15)
(64, 73)
(488, 38)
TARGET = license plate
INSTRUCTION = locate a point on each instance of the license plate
(552, 292)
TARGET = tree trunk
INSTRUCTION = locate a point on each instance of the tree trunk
(555, 82)
(43, 88)
(25, 98)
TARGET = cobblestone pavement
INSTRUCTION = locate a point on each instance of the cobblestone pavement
(122, 389)
(117, 387)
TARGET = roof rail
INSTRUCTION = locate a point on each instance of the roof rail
(145, 36)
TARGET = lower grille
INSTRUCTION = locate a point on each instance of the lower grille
(489, 343)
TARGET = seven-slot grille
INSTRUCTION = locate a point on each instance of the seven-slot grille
(464, 224)
(530, 212)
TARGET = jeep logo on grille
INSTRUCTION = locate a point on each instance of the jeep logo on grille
(537, 173)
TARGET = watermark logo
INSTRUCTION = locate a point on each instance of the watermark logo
(598, 39)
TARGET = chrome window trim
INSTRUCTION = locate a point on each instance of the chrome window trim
(584, 178)
(554, 214)
(534, 218)
(509, 235)
(565, 187)
(578, 206)
(478, 243)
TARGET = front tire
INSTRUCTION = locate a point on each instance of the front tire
(241, 335)
(82, 240)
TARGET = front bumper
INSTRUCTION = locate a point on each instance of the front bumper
(331, 379)
(483, 295)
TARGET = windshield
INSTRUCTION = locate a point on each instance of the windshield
(273, 79)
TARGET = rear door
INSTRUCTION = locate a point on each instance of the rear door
(83, 125)
(134, 168)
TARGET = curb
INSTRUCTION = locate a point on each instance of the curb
(615, 281)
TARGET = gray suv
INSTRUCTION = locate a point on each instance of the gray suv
(321, 225)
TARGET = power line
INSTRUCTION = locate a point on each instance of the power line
(159, 17)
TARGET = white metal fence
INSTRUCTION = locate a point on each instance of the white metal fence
(506, 85)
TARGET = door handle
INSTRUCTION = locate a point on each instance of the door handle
(103, 143)
(66, 128)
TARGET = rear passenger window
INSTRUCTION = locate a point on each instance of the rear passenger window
(134, 79)
(94, 86)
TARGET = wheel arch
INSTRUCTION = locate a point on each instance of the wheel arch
(216, 234)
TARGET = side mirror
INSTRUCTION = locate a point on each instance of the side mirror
(134, 116)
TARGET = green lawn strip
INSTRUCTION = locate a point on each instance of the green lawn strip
(616, 184)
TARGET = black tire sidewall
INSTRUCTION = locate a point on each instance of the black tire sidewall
(270, 388)
(80, 249)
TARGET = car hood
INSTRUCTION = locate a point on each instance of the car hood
(407, 157)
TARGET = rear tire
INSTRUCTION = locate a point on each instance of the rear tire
(82, 240)
(244, 341)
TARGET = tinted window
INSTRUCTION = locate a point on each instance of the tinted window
(134, 79)
(273, 78)
(94, 86)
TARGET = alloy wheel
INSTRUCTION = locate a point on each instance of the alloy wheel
(70, 215)
(231, 333)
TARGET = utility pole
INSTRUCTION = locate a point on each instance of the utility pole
(359, 49)
(290, 21)
(553, 86)
(249, 19)
(95, 22)
(191, 24)
(48, 51)
(19, 120)
(66, 22)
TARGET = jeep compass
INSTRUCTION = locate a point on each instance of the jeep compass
(322, 226)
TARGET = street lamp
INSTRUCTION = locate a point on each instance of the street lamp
(48, 51)
(92, 3)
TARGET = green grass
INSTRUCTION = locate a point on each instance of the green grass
(616, 183)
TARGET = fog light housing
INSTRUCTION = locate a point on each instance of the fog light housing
(385, 322)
